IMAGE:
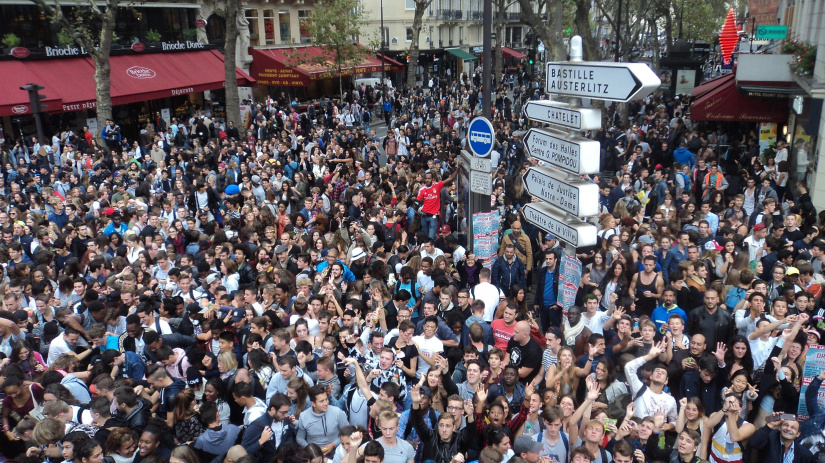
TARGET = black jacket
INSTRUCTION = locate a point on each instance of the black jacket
(264, 453)
(724, 328)
(436, 449)
(138, 418)
(768, 442)
(212, 198)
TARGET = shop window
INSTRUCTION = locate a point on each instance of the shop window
(269, 27)
(283, 23)
(254, 32)
(303, 24)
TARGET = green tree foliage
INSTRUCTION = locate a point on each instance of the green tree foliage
(335, 26)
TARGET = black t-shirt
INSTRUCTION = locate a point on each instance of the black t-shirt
(525, 356)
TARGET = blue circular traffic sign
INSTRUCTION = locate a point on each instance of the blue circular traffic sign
(481, 136)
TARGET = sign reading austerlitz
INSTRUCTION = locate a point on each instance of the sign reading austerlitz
(570, 153)
(576, 197)
(604, 81)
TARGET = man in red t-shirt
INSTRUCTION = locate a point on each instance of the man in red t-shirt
(430, 197)
(503, 328)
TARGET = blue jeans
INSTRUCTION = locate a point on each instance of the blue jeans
(429, 223)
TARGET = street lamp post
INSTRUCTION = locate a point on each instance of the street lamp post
(383, 68)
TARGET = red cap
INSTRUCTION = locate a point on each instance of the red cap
(444, 229)
(759, 227)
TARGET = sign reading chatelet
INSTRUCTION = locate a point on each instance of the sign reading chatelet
(563, 115)
(604, 81)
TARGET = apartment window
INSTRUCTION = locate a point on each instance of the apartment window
(386, 38)
(269, 27)
(303, 25)
(254, 33)
(409, 4)
(283, 26)
(460, 35)
(409, 34)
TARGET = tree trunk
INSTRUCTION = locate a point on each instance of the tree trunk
(498, 57)
(668, 30)
(233, 103)
(556, 15)
(582, 21)
(655, 33)
(412, 67)
(103, 90)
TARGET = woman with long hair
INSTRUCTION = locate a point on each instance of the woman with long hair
(260, 366)
(615, 282)
(724, 261)
(188, 423)
(30, 361)
(297, 390)
(563, 377)
(611, 388)
(215, 391)
(692, 416)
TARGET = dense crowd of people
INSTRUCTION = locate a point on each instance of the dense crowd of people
(300, 290)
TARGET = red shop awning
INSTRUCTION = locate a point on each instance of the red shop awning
(134, 78)
(726, 103)
(709, 85)
(289, 67)
(15, 102)
(508, 52)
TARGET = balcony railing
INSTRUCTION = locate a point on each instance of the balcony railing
(510, 16)
(475, 15)
(450, 14)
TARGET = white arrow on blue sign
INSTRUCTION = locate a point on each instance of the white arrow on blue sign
(481, 136)
(603, 81)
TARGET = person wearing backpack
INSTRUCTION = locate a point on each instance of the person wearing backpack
(555, 442)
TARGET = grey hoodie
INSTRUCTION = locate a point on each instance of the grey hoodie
(218, 441)
(77, 387)
(321, 429)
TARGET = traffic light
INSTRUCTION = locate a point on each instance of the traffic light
(35, 98)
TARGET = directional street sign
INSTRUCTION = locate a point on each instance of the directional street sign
(482, 136)
(573, 232)
(574, 196)
(570, 153)
(564, 115)
(604, 81)
(481, 182)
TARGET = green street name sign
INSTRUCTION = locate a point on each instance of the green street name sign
(771, 32)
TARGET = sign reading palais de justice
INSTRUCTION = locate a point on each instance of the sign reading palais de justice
(570, 153)
(574, 196)
(604, 81)
(563, 114)
(574, 232)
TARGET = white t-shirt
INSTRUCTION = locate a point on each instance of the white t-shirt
(58, 347)
(426, 348)
(761, 350)
(491, 297)
(597, 321)
(164, 326)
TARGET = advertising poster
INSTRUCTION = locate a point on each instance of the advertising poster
(571, 277)
(685, 81)
(92, 123)
(485, 237)
(814, 363)
(763, 11)
(166, 115)
(767, 135)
